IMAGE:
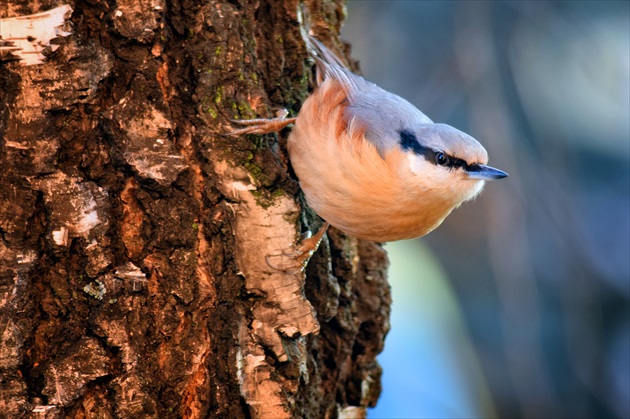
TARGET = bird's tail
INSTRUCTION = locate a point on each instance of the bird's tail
(328, 64)
(322, 55)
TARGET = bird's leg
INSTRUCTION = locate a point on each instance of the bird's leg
(294, 259)
(263, 126)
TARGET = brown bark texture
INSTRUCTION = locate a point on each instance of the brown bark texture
(133, 235)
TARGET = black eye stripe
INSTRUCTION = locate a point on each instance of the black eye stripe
(408, 141)
(457, 163)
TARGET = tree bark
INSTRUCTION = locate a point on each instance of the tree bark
(133, 235)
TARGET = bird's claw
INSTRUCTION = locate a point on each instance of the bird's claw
(290, 261)
(294, 259)
(262, 126)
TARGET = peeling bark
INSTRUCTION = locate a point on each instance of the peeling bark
(133, 235)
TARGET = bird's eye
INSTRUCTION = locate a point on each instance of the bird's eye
(441, 159)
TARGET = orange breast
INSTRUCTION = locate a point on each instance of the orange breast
(349, 184)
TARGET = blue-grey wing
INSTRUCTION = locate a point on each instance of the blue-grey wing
(383, 115)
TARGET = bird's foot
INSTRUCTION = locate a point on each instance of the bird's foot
(294, 259)
(263, 126)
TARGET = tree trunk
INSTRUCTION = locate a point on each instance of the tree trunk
(133, 235)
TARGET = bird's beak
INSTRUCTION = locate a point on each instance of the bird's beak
(483, 172)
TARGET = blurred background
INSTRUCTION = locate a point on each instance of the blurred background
(518, 306)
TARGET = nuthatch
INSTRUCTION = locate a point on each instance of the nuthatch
(370, 163)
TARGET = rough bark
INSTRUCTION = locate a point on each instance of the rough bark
(133, 235)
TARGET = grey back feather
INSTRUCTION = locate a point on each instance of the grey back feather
(383, 114)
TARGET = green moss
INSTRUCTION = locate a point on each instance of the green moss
(261, 200)
(257, 141)
(277, 193)
(304, 82)
(244, 110)
(265, 198)
(255, 170)
(212, 113)
(219, 95)
(218, 50)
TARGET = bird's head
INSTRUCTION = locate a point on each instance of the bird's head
(450, 163)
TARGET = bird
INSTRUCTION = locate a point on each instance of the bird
(370, 163)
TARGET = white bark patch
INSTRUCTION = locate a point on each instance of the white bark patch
(149, 149)
(73, 205)
(133, 275)
(26, 258)
(351, 412)
(43, 411)
(283, 313)
(60, 236)
(27, 36)
(265, 396)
